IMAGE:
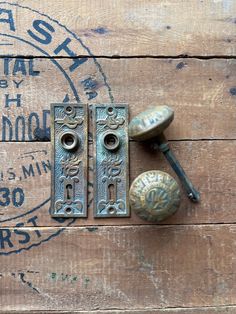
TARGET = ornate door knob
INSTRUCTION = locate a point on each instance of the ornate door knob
(154, 195)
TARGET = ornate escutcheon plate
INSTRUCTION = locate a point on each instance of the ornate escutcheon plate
(69, 160)
(110, 149)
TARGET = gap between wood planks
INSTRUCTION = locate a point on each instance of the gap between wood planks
(92, 228)
(181, 56)
(227, 308)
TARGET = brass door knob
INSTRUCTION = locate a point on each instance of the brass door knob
(154, 195)
(151, 124)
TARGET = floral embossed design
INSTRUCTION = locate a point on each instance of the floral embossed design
(111, 121)
(70, 120)
(70, 166)
(111, 166)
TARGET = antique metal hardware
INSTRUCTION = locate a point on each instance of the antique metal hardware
(154, 195)
(110, 153)
(151, 124)
(69, 129)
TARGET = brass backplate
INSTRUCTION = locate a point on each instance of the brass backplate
(111, 161)
(69, 141)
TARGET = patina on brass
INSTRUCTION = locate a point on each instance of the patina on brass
(151, 124)
(111, 167)
(69, 136)
(154, 195)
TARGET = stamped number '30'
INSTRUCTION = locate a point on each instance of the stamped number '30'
(16, 197)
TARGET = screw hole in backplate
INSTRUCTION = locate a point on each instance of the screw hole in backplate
(112, 210)
(68, 109)
(110, 110)
(68, 210)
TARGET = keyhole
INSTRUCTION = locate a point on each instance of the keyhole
(69, 191)
(111, 192)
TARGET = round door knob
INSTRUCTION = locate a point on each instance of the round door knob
(150, 123)
(154, 195)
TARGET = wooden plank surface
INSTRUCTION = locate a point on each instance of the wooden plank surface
(202, 93)
(180, 53)
(204, 310)
(142, 267)
(210, 164)
(125, 28)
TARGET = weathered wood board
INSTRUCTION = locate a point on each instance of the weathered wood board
(180, 53)
(122, 267)
(124, 28)
(202, 92)
(204, 161)
(206, 310)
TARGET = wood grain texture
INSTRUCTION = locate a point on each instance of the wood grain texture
(157, 27)
(199, 310)
(186, 265)
(209, 164)
(142, 267)
(202, 93)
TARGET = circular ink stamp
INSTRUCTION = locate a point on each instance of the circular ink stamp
(42, 62)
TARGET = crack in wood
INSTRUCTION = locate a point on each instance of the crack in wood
(21, 277)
